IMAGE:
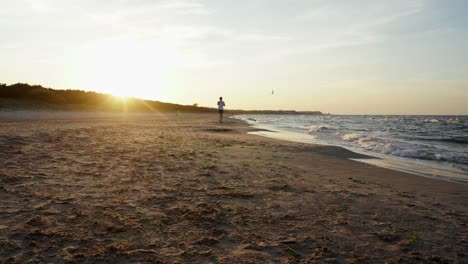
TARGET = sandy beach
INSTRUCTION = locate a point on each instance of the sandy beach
(167, 188)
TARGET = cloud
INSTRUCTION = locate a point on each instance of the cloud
(361, 13)
(203, 30)
(355, 22)
(186, 7)
(41, 6)
(258, 37)
(162, 11)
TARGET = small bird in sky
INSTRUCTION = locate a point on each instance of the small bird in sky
(272, 91)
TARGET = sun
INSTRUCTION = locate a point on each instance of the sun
(127, 67)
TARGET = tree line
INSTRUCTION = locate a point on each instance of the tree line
(25, 96)
(22, 95)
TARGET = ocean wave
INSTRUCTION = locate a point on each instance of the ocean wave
(352, 136)
(449, 121)
(432, 120)
(454, 121)
(320, 128)
(404, 149)
(436, 138)
(458, 140)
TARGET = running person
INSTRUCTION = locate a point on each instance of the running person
(221, 106)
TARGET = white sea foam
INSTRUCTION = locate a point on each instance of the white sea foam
(352, 137)
(454, 121)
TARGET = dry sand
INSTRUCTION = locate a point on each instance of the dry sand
(183, 189)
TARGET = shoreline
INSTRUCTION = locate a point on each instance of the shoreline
(168, 188)
(422, 168)
(341, 152)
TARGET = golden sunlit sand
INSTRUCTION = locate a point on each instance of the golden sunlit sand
(182, 188)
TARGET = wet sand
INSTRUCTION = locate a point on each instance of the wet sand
(185, 189)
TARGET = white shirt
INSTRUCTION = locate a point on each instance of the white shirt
(221, 105)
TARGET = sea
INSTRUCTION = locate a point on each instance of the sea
(430, 146)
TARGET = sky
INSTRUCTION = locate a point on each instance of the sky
(340, 57)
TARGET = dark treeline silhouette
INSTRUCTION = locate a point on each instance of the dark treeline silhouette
(27, 96)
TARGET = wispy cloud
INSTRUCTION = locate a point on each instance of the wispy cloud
(184, 24)
(161, 11)
(258, 37)
(186, 7)
(361, 12)
(41, 6)
(355, 23)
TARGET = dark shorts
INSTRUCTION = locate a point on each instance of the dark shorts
(221, 112)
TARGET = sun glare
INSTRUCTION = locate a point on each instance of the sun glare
(126, 67)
